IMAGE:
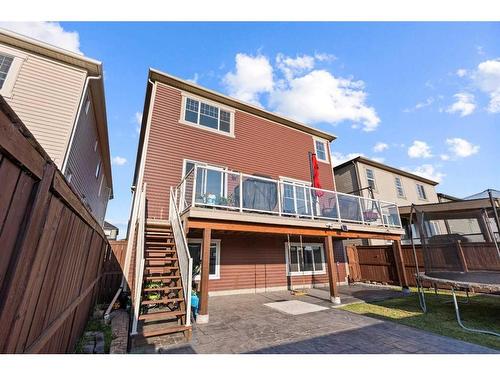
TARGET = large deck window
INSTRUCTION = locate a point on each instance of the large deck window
(308, 259)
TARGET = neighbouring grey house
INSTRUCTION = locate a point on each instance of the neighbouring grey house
(59, 95)
(371, 179)
(110, 231)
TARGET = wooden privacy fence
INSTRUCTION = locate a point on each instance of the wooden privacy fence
(378, 263)
(114, 260)
(51, 248)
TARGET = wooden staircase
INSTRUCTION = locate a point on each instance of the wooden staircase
(162, 310)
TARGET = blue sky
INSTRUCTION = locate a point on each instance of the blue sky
(369, 83)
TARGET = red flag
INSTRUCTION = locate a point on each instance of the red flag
(316, 182)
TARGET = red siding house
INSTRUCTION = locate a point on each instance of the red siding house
(241, 195)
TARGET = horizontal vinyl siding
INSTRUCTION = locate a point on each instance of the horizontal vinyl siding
(45, 96)
(259, 147)
(82, 162)
(345, 179)
(251, 262)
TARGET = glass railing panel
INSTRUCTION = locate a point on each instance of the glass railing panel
(391, 214)
(349, 207)
(372, 214)
(324, 204)
(259, 194)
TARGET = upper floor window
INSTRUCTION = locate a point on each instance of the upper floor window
(5, 64)
(11, 61)
(207, 115)
(87, 105)
(320, 148)
(421, 192)
(399, 187)
(370, 177)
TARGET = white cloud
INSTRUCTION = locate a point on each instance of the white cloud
(301, 91)
(118, 160)
(253, 76)
(427, 102)
(321, 97)
(461, 72)
(293, 66)
(380, 146)
(464, 104)
(194, 79)
(444, 157)
(339, 158)
(325, 57)
(487, 78)
(461, 148)
(48, 32)
(419, 149)
(138, 121)
(427, 171)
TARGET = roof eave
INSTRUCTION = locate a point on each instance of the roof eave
(157, 75)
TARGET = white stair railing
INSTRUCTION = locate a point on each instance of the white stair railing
(183, 256)
(139, 258)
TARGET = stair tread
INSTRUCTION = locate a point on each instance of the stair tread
(164, 331)
(162, 315)
(163, 300)
(163, 288)
(161, 277)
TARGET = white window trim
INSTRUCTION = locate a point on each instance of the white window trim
(402, 187)
(185, 96)
(305, 273)
(418, 192)
(19, 58)
(217, 257)
(375, 189)
(87, 105)
(327, 153)
(98, 170)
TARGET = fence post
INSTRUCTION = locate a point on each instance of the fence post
(400, 266)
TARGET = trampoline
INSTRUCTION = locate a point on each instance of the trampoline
(455, 266)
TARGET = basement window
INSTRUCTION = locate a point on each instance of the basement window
(194, 246)
(207, 115)
(308, 259)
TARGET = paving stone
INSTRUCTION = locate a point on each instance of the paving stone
(242, 324)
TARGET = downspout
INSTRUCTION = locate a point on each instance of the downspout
(75, 123)
(495, 213)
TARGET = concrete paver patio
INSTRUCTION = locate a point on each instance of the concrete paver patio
(243, 324)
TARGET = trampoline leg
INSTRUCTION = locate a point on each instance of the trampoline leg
(421, 296)
(457, 312)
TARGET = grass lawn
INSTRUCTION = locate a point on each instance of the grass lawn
(482, 312)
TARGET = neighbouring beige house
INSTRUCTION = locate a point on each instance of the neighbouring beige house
(371, 179)
(59, 95)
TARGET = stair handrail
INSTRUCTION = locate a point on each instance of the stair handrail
(139, 258)
(183, 255)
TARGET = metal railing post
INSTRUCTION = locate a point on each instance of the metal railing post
(361, 211)
(337, 205)
(193, 198)
(279, 197)
(311, 193)
(241, 192)
(381, 213)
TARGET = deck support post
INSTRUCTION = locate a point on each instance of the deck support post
(332, 271)
(205, 270)
(400, 266)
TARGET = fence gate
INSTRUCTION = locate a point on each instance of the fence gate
(354, 269)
